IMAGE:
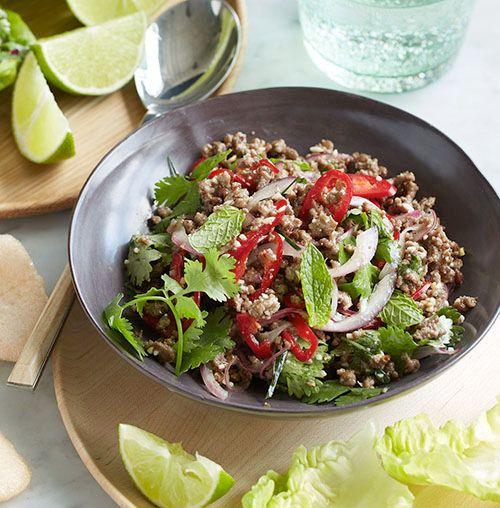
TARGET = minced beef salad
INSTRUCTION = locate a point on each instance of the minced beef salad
(317, 275)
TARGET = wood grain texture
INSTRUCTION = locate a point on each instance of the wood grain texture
(36, 351)
(96, 390)
(98, 123)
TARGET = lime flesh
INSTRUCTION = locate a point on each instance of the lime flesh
(93, 60)
(41, 130)
(166, 474)
(94, 12)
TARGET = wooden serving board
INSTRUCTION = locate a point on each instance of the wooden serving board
(96, 390)
(98, 123)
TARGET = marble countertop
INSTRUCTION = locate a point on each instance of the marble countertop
(465, 104)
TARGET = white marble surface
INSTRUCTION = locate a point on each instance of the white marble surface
(465, 104)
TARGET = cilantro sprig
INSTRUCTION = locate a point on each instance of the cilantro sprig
(215, 279)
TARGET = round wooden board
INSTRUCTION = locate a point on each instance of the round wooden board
(96, 390)
(98, 124)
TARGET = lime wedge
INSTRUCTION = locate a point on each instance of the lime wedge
(93, 12)
(41, 130)
(94, 60)
(167, 475)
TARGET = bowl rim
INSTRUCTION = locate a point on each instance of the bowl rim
(303, 410)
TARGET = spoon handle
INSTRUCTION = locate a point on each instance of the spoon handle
(36, 351)
(150, 115)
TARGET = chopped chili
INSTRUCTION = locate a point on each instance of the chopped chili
(327, 181)
(271, 268)
(368, 186)
(248, 327)
(305, 332)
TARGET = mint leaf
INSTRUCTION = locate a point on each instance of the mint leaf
(343, 255)
(357, 395)
(301, 379)
(450, 313)
(328, 391)
(387, 250)
(202, 170)
(113, 318)
(138, 263)
(395, 341)
(179, 193)
(401, 311)
(362, 283)
(203, 345)
(216, 279)
(317, 285)
(221, 227)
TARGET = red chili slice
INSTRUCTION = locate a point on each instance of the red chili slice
(251, 240)
(305, 332)
(272, 268)
(328, 181)
(367, 186)
(247, 176)
(196, 162)
(234, 176)
(294, 300)
(248, 327)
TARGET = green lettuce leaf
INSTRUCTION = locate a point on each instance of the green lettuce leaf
(317, 286)
(466, 459)
(221, 227)
(338, 474)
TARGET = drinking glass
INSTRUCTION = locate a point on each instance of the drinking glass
(384, 45)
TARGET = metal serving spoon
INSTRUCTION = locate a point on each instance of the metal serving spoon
(188, 52)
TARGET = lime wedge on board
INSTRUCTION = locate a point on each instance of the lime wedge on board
(93, 60)
(41, 130)
(167, 475)
(93, 12)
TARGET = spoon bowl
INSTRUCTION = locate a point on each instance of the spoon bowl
(188, 52)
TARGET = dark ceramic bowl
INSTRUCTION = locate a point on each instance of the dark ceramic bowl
(116, 200)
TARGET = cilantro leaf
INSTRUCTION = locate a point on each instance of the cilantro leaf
(358, 217)
(317, 285)
(202, 170)
(179, 193)
(387, 250)
(395, 341)
(328, 391)
(221, 227)
(187, 309)
(139, 259)
(401, 311)
(457, 332)
(113, 318)
(376, 220)
(302, 379)
(216, 279)
(203, 345)
(450, 313)
(170, 285)
(362, 283)
(357, 395)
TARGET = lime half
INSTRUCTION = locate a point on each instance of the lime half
(167, 475)
(94, 60)
(93, 12)
(41, 130)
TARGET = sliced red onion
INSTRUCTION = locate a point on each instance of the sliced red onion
(267, 192)
(335, 300)
(380, 296)
(212, 386)
(281, 314)
(413, 214)
(272, 335)
(366, 245)
(181, 239)
(319, 155)
(290, 251)
(271, 360)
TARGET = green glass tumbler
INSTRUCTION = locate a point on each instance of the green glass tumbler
(384, 45)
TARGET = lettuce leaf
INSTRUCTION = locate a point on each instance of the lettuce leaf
(466, 459)
(338, 474)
